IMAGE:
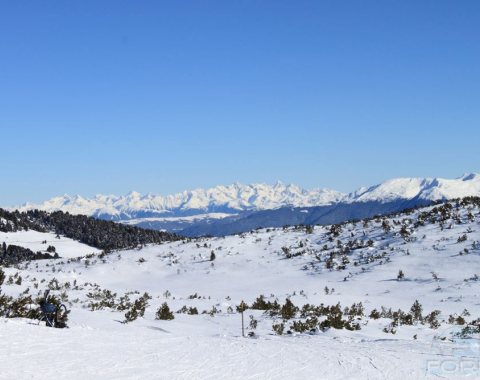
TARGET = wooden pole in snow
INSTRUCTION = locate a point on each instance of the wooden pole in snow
(241, 308)
(243, 329)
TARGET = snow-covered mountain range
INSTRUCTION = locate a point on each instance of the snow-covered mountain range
(238, 198)
(220, 199)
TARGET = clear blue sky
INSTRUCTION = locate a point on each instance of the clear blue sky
(110, 96)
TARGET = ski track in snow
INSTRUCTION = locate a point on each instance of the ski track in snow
(78, 353)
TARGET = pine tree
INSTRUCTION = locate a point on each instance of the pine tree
(288, 310)
(416, 311)
(138, 308)
(432, 319)
(164, 313)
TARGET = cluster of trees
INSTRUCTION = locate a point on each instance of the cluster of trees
(23, 306)
(447, 212)
(309, 318)
(97, 233)
(312, 318)
(15, 221)
(100, 299)
(13, 254)
(400, 317)
(105, 299)
(192, 310)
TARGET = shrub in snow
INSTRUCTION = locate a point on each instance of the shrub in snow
(309, 229)
(334, 319)
(356, 310)
(278, 328)
(288, 310)
(164, 313)
(286, 251)
(253, 323)
(18, 307)
(260, 303)
(470, 330)
(375, 314)
(390, 329)
(416, 311)
(101, 299)
(404, 233)
(188, 310)
(432, 319)
(456, 320)
(138, 308)
(310, 325)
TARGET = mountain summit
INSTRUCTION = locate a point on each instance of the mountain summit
(238, 197)
(237, 207)
(229, 199)
(431, 189)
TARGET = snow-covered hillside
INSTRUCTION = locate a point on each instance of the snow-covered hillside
(39, 241)
(431, 255)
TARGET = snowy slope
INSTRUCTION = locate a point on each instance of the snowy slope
(437, 271)
(149, 351)
(34, 240)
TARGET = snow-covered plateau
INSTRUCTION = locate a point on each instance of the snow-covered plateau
(322, 302)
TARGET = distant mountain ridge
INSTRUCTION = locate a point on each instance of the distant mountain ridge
(431, 189)
(220, 199)
(237, 208)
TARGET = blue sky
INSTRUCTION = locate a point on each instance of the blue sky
(111, 96)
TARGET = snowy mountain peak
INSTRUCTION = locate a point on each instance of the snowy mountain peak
(238, 197)
(232, 198)
(403, 188)
(419, 188)
(470, 177)
(134, 195)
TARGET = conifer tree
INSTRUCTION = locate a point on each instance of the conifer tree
(164, 313)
